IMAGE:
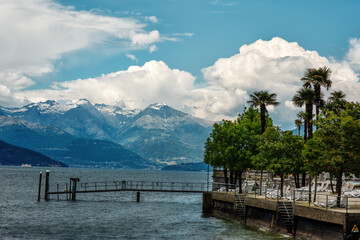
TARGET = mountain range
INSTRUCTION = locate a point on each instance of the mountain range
(153, 137)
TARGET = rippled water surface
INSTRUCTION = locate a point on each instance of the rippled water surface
(108, 215)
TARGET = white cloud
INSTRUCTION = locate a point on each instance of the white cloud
(153, 48)
(223, 3)
(131, 56)
(136, 87)
(353, 55)
(152, 19)
(183, 34)
(276, 66)
(36, 33)
(144, 39)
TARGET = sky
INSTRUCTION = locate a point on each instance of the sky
(203, 57)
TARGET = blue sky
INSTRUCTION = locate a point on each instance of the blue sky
(186, 52)
(220, 28)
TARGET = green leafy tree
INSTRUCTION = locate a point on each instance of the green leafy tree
(262, 99)
(216, 145)
(282, 153)
(314, 161)
(248, 132)
(232, 143)
(338, 141)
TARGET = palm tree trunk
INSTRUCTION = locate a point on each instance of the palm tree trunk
(262, 116)
(306, 125)
(317, 100)
(309, 113)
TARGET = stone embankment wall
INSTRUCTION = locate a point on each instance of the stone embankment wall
(307, 222)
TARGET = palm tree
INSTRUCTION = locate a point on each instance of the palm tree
(262, 99)
(316, 78)
(298, 123)
(302, 116)
(306, 96)
(336, 102)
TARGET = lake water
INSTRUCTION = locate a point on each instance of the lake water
(111, 215)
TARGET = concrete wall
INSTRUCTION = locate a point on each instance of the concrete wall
(309, 223)
(262, 218)
(306, 228)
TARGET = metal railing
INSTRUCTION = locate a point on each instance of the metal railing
(143, 185)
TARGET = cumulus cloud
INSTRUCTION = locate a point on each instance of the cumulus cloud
(36, 33)
(135, 87)
(276, 66)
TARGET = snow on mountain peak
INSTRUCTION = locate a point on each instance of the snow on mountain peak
(157, 106)
(115, 110)
(82, 101)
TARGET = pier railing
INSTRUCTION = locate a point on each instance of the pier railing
(127, 185)
(74, 187)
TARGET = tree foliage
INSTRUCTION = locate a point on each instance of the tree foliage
(281, 152)
(335, 147)
(232, 143)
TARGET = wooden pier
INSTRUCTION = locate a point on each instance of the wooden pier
(76, 187)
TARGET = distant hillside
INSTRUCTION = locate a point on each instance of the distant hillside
(16, 156)
(97, 153)
(200, 166)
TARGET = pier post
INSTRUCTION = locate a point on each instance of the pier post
(74, 183)
(39, 189)
(67, 190)
(138, 196)
(47, 173)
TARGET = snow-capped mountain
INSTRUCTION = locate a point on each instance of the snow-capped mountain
(115, 115)
(163, 134)
(79, 118)
(159, 132)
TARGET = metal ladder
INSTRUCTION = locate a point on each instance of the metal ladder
(285, 209)
(240, 206)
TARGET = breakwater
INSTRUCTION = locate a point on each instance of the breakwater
(299, 221)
